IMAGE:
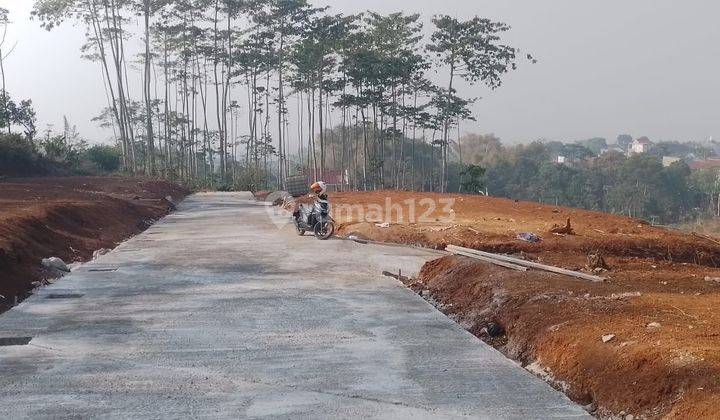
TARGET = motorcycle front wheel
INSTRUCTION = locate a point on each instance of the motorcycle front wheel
(324, 230)
(300, 231)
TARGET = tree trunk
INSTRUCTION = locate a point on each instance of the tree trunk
(320, 120)
(446, 129)
(311, 111)
(280, 109)
(216, 60)
(148, 102)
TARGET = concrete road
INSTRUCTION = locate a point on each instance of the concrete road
(215, 312)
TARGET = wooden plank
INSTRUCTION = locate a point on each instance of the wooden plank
(398, 276)
(524, 263)
(708, 238)
(491, 260)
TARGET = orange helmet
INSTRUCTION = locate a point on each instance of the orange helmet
(318, 188)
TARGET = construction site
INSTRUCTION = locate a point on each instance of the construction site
(70, 218)
(360, 210)
(615, 313)
(642, 340)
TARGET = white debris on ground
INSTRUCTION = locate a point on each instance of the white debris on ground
(546, 374)
(613, 296)
(607, 338)
(100, 252)
(570, 296)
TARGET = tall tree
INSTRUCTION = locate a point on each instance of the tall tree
(285, 20)
(471, 50)
(4, 22)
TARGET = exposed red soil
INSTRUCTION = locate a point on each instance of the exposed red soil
(657, 276)
(492, 224)
(70, 218)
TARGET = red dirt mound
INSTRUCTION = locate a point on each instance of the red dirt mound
(663, 358)
(657, 311)
(493, 224)
(70, 218)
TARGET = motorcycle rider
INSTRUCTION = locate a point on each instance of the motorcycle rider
(316, 219)
(318, 191)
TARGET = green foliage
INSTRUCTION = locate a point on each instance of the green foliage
(706, 181)
(674, 148)
(370, 68)
(558, 183)
(472, 49)
(638, 186)
(20, 156)
(475, 149)
(56, 153)
(105, 158)
(13, 114)
(58, 149)
(472, 177)
(16, 155)
(624, 141)
(596, 145)
(572, 151)
(52, 13)
(706, 184)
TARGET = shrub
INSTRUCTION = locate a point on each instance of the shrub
(57, 149)
(18, 156)
(105, 158)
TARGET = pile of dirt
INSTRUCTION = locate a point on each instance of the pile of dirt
(644, 343)
(261, 195)
(70, 218)
(493, 224)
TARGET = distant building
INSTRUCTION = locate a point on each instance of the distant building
(560, 159)
(705, 164)
(669, 160)
(640, 145)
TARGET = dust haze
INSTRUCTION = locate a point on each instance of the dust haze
(648, 68)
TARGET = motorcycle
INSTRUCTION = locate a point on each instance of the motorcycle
(316, 219)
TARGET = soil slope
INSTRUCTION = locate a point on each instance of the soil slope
(70, 218)
(657, 310)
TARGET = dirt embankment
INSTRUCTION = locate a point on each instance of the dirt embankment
(70, 218)
(492, 224)
(657, 312)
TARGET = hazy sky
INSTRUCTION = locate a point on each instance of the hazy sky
(645, 67)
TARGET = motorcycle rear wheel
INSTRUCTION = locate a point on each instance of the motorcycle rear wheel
(324, 230)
